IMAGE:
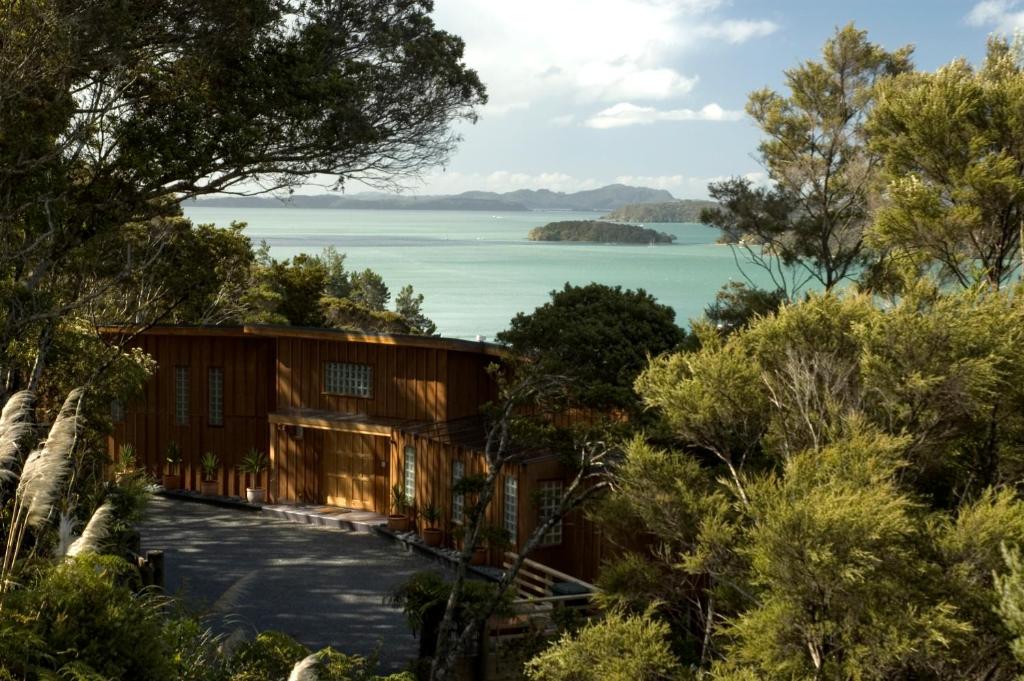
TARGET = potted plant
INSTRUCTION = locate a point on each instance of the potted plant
(126, 463)
(254, 463)
(432, 534)
(479, 556)
(210, 464)
(172, 478)
(398, 521)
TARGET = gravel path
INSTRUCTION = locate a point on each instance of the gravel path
(324, 587)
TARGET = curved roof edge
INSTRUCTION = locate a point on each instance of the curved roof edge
(313, 333)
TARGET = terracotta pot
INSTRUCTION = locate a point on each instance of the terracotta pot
(172, 481)
(432, 536)
(209, 488)
(479, 556)
(254, 495)
(398, 523)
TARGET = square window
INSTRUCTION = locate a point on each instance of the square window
(341, 378)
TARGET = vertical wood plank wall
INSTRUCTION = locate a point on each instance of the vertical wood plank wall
(418, 384)
(150, 423)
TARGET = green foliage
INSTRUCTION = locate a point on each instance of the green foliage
(400, 501)
(369, 290)
(409, 306)
(809, 223)
(210, 463)
(599, 232)
(86, 612)
(598, 337)
(254, 463)
(737, 304)
(271, 655)
(616, 648)
(1010, 589)
(951, 146)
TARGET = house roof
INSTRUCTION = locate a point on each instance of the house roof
(310, 333)
(469, 432)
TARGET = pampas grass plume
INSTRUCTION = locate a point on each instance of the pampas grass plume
(305, 669)
(46, 467)
(13, 426)
(95, 531)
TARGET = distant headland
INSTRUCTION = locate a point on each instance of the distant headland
(603, 199)
(595, 231)
(686, 210)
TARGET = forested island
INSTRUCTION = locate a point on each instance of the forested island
(599, 232)
(687, 210)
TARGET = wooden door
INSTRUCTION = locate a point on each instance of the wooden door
(349, 469)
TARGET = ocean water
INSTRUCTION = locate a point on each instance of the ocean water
(476, 270)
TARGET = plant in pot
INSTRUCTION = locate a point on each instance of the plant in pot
(210, 465)
(432, 534)
(125, 465)
(479, 556)
(398, 521)
(254, 463)
(491, 537)
(172, 478)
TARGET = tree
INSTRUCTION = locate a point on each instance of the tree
(951, 142)
(112, 115)
(737, 304)
(599, 337)
(369, 290)
(508, 436)
(409, 306)
(618, 648)
(809, 224)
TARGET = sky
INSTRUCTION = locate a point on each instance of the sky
(585, 93)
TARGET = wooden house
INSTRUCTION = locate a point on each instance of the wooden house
(343, 416)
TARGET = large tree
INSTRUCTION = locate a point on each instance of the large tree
(600, 337)
(808, 223)
(112, 113)
(953, 148)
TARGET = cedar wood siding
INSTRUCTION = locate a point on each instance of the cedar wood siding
(150, 424)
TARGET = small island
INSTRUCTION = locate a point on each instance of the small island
(598, 232)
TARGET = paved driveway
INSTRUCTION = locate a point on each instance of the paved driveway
(324, 587)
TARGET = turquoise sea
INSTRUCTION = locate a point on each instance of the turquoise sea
(476, 270)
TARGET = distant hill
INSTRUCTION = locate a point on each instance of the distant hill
(599, 232)
(604, 199)
(687, 210)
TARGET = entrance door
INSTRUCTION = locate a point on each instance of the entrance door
(350, 466)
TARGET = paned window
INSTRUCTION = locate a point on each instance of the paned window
(410, 474)
(181, 395)
(216, 402)
(341, 378)
(117, 411)
(512, 508)
(550, 496)
(458, 498)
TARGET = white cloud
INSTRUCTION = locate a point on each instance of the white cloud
(740, 31)
(587, 51)
(997, 13)
(683, 186)
(624, 114)
(563, 121)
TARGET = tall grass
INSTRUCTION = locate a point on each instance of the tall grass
(41, 475)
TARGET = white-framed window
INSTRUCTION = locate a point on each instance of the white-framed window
(181, 395)
(512, 508)
(117, 411)
(458, 498)
(341, 378)
(216, 396)
(410, 474)
(550, 496)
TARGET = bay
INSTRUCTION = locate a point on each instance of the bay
(476, 270)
